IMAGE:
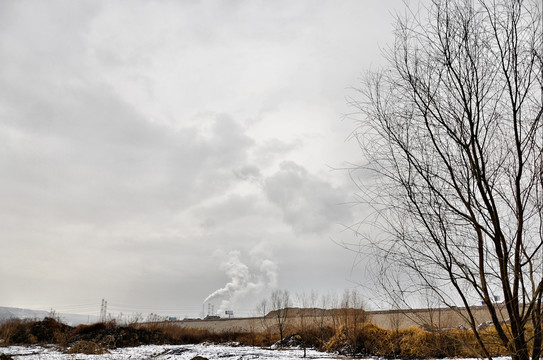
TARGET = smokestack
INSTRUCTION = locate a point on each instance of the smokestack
(242, 281)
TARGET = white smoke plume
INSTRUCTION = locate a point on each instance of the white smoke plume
(243, 282)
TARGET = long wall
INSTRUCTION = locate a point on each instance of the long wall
(393, 319)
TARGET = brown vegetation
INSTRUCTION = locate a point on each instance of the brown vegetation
(89, 339)
(349, 338)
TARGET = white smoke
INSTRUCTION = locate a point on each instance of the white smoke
(269, 268)
(243, 282)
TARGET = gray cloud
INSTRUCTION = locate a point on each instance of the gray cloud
(273, 149)
(234, 208)
(136, 141)
(309, 204)
(124, 167)
(247, 172)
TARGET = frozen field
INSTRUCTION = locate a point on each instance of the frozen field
(167, 352)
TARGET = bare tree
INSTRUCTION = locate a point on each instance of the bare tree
(262, 310)
(333, 304)
(323, 316)
(452, 131)
(280, 303)
(353, 317)
(306, 305)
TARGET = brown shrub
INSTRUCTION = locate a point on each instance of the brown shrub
(364, 339)
(417, 343)
(180, 335)
(84, 337)
(464, 343)
(263, 339)
(86, 329)
(46, 331)
(374, 340)
(492, 341)
(7, 329)
(340, 342)
(87, 347)
(371, 340)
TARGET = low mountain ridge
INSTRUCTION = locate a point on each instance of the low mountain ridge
(7, 313)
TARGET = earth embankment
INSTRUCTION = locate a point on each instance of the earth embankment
(391, 319)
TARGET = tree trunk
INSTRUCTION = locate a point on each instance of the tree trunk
(452, 129)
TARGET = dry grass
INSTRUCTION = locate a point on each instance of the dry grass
(411, 343)
(365, 339)
(87, 347)
(48, 330)
(180, 335)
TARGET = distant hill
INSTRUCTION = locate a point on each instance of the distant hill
(7, 313)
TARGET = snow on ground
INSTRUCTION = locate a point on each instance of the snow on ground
(167, 352)
(175, 352)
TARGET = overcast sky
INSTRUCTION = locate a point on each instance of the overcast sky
(160, 153)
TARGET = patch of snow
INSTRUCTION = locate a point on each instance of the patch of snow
(174, 352)
(167, 352)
